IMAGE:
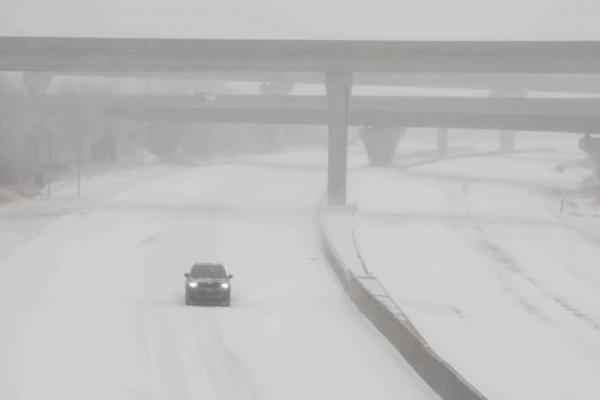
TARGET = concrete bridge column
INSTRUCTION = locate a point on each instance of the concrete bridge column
(507, 139)
(339, 87)
(442, 142)
(381, 143)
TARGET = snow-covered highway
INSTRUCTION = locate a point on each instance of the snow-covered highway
(494, 258)
(91, 301)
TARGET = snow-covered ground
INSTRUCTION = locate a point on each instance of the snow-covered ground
(91, 292)
(494, 258)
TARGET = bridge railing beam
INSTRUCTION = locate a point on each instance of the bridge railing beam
(339, 89)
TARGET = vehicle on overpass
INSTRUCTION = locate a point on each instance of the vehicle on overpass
(207, 284)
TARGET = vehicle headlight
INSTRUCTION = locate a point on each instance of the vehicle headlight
(193, 284)
(224, 285)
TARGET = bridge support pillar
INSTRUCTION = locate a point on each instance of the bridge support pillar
(442, 142)
(381, 143)
(339, 87)
(507, 139)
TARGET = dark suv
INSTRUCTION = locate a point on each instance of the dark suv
(207, 284)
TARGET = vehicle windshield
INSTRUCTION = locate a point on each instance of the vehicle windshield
(208, 271)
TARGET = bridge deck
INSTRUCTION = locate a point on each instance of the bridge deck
(104, 54)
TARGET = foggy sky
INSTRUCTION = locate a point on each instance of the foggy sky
(306, 19)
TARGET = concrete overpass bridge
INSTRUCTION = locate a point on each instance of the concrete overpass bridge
(565, 83)
(382, 115)
(574, 115)
(337, 60)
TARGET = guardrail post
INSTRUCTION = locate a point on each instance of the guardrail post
(339, 87)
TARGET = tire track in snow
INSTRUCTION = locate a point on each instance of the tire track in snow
(503, 257)
(459, 204)
(223, 366)
(170, 366)
(197, 363)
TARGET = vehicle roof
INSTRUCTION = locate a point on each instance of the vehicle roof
(210, 270)
(207, 265)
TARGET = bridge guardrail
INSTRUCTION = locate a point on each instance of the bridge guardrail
(374, 302)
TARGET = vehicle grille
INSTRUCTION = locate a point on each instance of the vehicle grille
(210, 285)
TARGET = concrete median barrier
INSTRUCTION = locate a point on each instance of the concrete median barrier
(371, 298)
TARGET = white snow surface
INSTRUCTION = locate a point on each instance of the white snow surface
(91, 292)
(477, 252)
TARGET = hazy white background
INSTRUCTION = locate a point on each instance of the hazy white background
(307, 19)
